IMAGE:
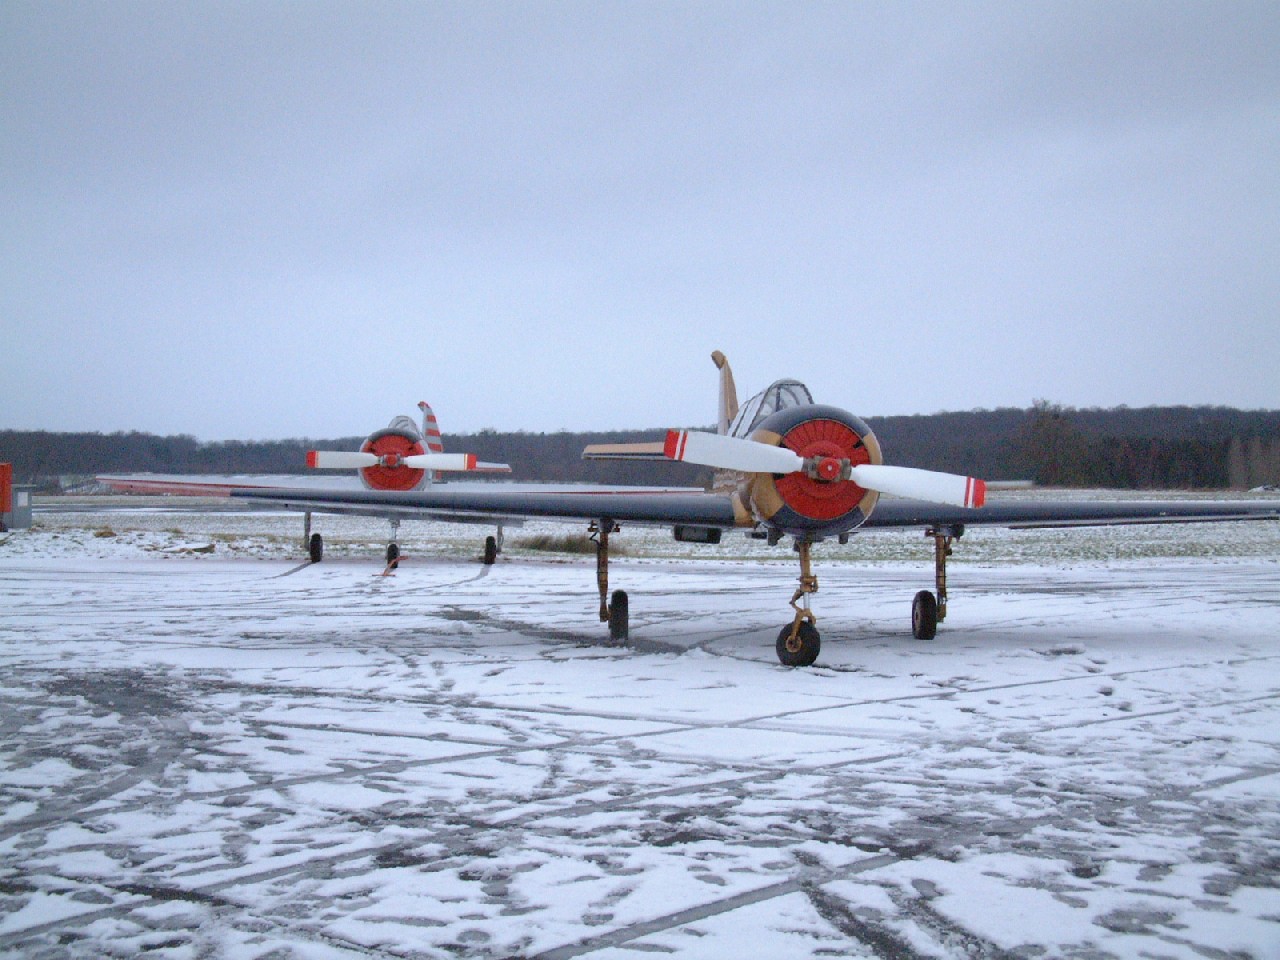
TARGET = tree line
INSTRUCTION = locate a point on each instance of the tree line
(1152, 447)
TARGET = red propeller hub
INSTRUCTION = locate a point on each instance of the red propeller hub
(392, 447)
(828, 469)
(827, 496)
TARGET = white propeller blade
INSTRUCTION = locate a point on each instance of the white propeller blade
(340, 459)
(350, 460)
(441, 461)
(730, 453)
(916, 484)
(750, 456)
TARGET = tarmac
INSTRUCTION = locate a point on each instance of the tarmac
(256, 758)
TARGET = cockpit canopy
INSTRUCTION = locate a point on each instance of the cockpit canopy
(404, 425)
(779, 395)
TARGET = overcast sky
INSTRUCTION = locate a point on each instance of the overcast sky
(246, 220)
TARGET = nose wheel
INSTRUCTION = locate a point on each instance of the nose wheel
(799, 641)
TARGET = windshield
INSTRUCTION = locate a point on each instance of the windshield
(778, 396)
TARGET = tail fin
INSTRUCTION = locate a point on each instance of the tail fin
(430, 429)
(728, 393)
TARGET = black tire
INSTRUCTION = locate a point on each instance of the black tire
(490, 550)
(393, 555)
(924, 616)
(315, 548)
(808, 645)
(619, 617)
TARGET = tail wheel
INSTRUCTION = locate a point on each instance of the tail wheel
(315, 548)
(924, 616)
(490, 550)
(619, 616)
(801, 651)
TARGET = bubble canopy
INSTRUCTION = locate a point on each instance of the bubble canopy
(779, 395)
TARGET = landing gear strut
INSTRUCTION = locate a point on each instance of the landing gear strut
(613, 610)
(929, 610)
(799, 641)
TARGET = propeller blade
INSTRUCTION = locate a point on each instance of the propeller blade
(750, 456)
(916, 484)
(340, 459)
(441, 461)
(730, 453)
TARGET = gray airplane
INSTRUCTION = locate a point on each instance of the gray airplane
(786, 468)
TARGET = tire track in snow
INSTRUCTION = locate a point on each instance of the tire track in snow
(566, 808)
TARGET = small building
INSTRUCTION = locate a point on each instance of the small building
(15, 501)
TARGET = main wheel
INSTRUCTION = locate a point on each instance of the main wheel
(393, 555)
(803, 650)
(619, 616)
(315, 548)
(924, 616)
(490, 550)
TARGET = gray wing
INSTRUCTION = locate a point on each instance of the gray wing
(641, 505)
(1069, 513)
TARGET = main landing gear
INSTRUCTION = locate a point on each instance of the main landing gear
(928, 609)
(492, 548)
(613, 610)
(393, 549)
(313, 543)
(799, 641)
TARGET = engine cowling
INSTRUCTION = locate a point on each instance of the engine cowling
(814, 507)
(393, 445)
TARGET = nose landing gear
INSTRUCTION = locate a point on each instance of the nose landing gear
(799, 641)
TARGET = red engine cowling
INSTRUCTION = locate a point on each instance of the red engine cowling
(393, 445)
(799, 505)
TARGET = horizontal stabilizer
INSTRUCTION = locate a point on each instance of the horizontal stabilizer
(625, 451)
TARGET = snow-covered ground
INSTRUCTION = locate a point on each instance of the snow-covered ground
(209, 749)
